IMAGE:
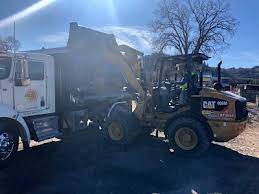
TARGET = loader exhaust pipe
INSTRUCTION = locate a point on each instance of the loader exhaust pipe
(219, 73)
(201, 78)
(218, 85)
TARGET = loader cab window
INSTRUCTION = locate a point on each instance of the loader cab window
(5, 67)
(36, 70)
(176, 80)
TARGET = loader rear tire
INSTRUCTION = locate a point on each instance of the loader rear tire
(188, 137)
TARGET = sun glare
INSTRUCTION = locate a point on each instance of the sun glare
(110, 7)
(112, 10)
(26, 12)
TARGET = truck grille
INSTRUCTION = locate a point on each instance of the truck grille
(241, 110)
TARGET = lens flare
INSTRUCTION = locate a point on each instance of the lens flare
(108, 5)
(26, 12)
(112, 10)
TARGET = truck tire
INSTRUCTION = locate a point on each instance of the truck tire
(9, 140)
(121, 128)
(188, 137)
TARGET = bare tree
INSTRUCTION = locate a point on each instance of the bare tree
(192, 26)
(9, 44)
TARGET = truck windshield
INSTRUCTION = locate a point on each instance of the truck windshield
(5, 67)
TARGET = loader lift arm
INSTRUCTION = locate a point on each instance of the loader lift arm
(108, 52)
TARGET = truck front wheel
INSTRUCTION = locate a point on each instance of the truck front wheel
(188, 137)
(9, 140)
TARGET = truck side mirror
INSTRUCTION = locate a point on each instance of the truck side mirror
(21, 77)
(20, 81)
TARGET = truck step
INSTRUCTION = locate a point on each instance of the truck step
(46, 127)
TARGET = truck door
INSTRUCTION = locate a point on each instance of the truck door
(30, 90)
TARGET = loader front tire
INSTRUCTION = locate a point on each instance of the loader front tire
(121, 128)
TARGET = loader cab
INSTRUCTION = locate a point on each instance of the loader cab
(177, 78)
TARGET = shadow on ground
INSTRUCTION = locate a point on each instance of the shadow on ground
(77, 165)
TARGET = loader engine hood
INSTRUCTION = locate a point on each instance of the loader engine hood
(209, 92)
(222, 105)
(233, 96)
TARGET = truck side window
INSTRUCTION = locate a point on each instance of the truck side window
(5, 67)
(36, 70)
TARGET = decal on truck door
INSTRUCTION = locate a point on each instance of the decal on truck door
(31, 95)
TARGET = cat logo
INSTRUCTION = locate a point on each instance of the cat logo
(209, 104)
(214, 104)
(31, 95)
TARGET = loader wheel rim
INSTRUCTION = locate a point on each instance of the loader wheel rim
(115, 131)
(186, 138)
(6, 146)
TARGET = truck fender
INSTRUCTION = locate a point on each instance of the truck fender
(7, 114)
(113, 107)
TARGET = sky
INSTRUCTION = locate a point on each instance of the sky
(45, 23)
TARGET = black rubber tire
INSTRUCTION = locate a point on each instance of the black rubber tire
(203, 137)
(128, 123)
(15, 135)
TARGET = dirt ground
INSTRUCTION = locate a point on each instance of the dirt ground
(76, 165)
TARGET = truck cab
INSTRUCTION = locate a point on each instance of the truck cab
(27, 83)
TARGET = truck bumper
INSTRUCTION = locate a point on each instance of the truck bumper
(225, 131)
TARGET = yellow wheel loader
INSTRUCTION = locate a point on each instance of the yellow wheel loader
(176, 102)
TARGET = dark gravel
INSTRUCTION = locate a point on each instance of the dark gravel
(79, 165)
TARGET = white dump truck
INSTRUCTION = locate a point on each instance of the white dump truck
(49, 92)
(27, 90)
